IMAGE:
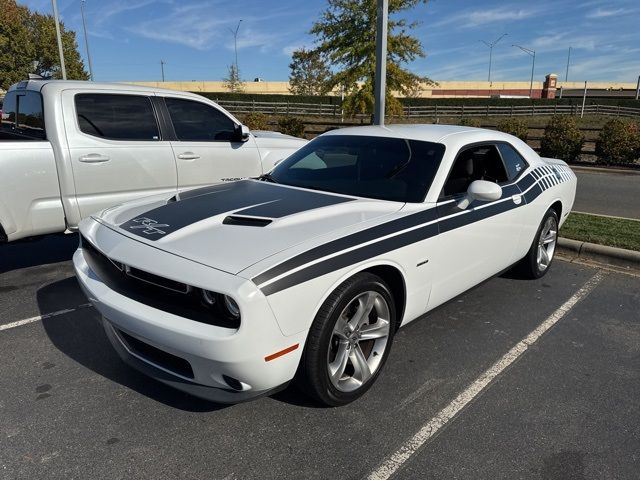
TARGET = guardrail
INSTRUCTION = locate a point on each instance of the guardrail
(330, 110)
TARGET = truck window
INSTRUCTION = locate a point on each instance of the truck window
(22, 115)
(199, 122)
(117, 117)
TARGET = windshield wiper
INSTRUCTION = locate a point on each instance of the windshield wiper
(266, 177)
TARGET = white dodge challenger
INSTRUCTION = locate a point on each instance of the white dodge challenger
(231, 291)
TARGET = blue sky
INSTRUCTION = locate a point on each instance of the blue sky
(128, 38)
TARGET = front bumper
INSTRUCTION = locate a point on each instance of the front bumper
(194, 357)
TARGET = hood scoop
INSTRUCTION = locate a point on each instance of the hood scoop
(246, 221)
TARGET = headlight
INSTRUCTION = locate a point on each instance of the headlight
(222, 304)
(209, 297)
(231, 306)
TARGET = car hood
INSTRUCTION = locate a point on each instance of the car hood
(232, 226)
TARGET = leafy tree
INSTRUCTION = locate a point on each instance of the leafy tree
(291, 126)
(16, 46)
(514, 126)
(346, 35)
(27, 37)
(618, 142)
(256, 121)
(232, 81)
(43, 30)
(562, 139)
(309, 73)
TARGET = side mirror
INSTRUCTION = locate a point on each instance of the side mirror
(242, 133)
(481, 190)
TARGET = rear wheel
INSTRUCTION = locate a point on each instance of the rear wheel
(349, 341)
(540, 256)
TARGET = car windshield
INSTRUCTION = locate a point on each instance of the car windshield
(383, 168)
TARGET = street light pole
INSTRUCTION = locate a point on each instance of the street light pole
(235, 42)
(60, 51)
(531, 53)
(86, 39)
(381, 61)
(162, 62)
(566, 75)
(491, 45)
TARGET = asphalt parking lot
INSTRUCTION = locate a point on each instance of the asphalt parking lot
(566, 407)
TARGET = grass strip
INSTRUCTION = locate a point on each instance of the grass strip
(613, 232)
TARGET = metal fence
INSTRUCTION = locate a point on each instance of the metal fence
(330, 110)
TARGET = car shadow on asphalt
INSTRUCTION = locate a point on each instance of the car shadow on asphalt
(38, 251)
(80, 336)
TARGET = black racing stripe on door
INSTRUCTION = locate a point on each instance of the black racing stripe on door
(526, 181)
(369, 234)
(472, 216)
(352, 257)
(347, 242)
(196, 205)
(393, 243)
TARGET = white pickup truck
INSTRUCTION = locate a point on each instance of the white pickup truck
(69, 149)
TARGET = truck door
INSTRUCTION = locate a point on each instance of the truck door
(205, 146)
(117, 152)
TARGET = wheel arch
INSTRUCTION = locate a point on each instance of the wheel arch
(390, 272)
(556, 206)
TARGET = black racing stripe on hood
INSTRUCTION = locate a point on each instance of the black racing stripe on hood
(196, 205)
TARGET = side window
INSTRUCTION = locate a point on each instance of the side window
(513, 161)
(22, 115)
(480, 162)
(117, 117)
(199, 122)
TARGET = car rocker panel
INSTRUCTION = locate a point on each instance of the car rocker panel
(281, 251)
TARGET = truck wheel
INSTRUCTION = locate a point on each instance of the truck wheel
(349, 341)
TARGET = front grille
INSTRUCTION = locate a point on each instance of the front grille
(155, 291)
(156, 356)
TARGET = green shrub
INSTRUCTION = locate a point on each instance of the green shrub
(469, 122)
(256, 121)
(514, 126)
(562, 139)
(291, 126)
(618, 142)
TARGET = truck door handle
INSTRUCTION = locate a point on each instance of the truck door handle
(94, 158)
(188, 156)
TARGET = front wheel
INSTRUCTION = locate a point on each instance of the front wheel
(538, 260)
(349, 341)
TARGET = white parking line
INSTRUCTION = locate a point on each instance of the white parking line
(41, 317)
(411, 446)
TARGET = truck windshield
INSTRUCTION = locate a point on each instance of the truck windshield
(395, 169)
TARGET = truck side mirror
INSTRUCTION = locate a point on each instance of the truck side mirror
(242, 133)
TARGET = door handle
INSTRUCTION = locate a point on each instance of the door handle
(188, 156)
(94, 158)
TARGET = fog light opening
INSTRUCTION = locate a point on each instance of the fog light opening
(232, 382)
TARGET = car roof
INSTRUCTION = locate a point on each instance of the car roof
(425, 132)
(59, 85)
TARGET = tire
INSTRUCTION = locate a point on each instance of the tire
(338, 343)
(536, 264)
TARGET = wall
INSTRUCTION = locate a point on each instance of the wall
(444, 89)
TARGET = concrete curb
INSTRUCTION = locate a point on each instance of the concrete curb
(621, 171)
(600, 253)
